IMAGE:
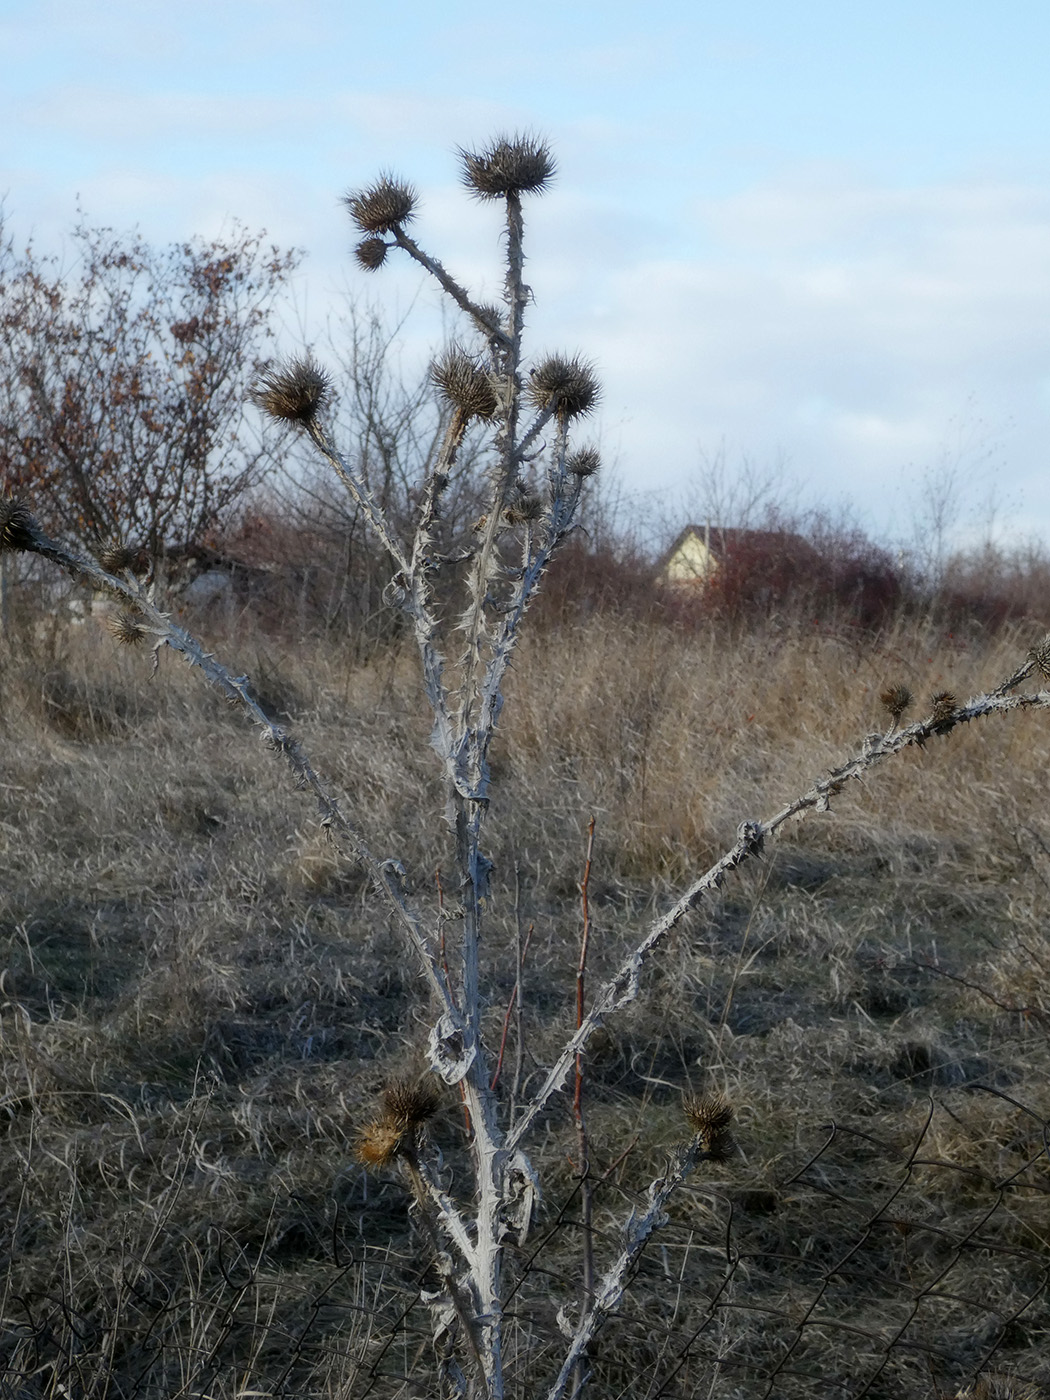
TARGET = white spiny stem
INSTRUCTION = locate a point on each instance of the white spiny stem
(637, 1231)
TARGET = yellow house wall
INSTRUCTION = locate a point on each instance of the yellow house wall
(691, 561)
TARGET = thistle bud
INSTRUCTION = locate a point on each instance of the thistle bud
(115, 558)
(409, 1105)
(395, 1132)
(584, 462)
(569, 386)
(942, 711)
(527, 509)
(383, 206)
(520, 164)
(465, 384)
(710, 1117)
(371, 253)
(293, 392)
(126, 629)
(1041, 656)
(17, 526)
(896, 699)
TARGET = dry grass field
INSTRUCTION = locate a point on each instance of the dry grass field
(200, 1005)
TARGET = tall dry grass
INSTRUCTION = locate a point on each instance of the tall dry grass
(201, 1003)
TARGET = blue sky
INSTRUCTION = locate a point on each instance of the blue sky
(804, 233)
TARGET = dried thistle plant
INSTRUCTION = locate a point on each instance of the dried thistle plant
(895, 700)
(294, 392)
(407, 1107)
(511, 165)
(382, 207)
(535, 479)
(115, 558)
(125, 628)
(942, 711)
(1041, 656)
(566, 385)
(465, 383)
(710, 1116)
(371, 253)
(586, 461)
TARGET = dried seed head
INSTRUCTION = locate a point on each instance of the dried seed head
(293, 392)
(379, 1143)
(528, 507)
(1041, 656)
(584, 462)
(569, 386)
(996, 1386)
(383, 206)
(408, 1105)
(942, 706)
(711, 1117)
(942, 711)
(464, 383)
(125, 628)
(115, 558)
(371, 253)
(519, 164)
(896, 699)
(17, 526)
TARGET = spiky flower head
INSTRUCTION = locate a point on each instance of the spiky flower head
(585, 461)
(518, 164)
(383, 206)
(293, 392)
(115, 558)
(896, 699)
(408, 1104)
(464, 383)
(1041, 656)
(125, 628)
(396, 1130)
(569, 386)
(525, 510)
(998, 1386)
(17, 526)
(711, 1118)
(371, 253)
(942, 711)
(379, 1142)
